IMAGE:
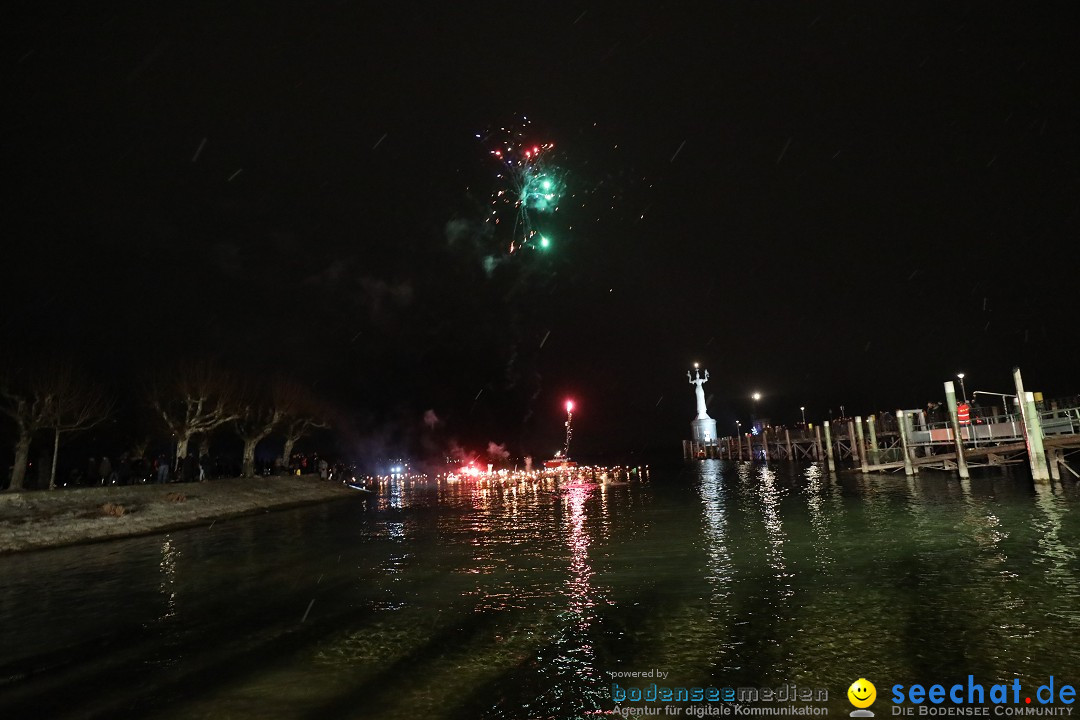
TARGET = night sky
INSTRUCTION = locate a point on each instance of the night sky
(830, 204)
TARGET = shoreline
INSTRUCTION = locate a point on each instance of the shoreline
(42, 519)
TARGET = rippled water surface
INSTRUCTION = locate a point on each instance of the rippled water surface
(469, 601)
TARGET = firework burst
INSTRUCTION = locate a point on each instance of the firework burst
(529, 188)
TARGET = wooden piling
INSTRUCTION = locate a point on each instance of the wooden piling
(862, 445)
(750, 446)
(817, 444)
(950, 400)
(787, 438)
(1034, 437)
(765, 445)
(901, 420)
(856, 451)
(1032, 429)
(875, 456)
(1052, 461)
(828, 448)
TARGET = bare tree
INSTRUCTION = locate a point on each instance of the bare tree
(301, 413)
(20, 401)
(194, 398)
(53, 397)
(258, 416)
(74, 403)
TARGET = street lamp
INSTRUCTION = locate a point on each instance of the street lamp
(802, 409)
(963, 392)
(738, 428)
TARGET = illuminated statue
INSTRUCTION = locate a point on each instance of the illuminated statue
(703, 426)
(699, 393)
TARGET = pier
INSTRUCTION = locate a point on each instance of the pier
(1047, 439)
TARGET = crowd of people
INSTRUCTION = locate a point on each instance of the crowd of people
(129, 470)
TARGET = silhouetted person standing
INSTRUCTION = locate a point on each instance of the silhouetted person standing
(191, 468)
(123, 470)
(162, 469)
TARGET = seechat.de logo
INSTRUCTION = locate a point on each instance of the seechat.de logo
(862, 694)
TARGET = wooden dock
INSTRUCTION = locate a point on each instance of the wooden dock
(1048, 440)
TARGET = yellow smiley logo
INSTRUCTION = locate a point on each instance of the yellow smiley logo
(862, 693)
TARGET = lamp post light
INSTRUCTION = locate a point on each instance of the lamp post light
(802, 409)
(963, 392)
(738, 428)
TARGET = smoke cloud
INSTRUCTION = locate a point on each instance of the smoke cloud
(497, 452)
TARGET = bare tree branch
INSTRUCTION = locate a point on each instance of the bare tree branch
(75, 404)
(257, 417)
(28, 411)
(301, 412)
(194, 398)
(53, 396)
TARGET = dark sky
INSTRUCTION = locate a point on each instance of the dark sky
(831, 204)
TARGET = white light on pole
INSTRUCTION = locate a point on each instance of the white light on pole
(963, 392)
(802, 409)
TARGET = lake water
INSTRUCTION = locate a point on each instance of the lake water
(466, 601)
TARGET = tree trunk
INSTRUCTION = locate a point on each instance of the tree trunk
(22, 452)
(181, 447)
(249, 456)
(204, 445)
(55, 452)
(286, 453)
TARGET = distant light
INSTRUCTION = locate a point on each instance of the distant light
(544, 242)
(757, 396)
(546, 185)
(960, 375)
(569, 406)
(695, 366)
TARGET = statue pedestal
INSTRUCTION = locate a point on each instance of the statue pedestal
(704, 430)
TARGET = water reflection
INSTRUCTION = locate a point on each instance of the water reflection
(720, 570)
(496, 600)
(771, 495)
(1057, 558)
(169, 556)
(821, 517)
(577, 540)
(715, 525)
